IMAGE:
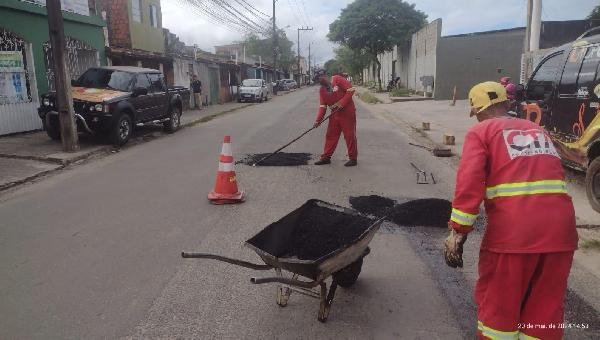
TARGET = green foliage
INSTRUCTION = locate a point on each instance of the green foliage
(352, 61)
(400, 92)
(333, 66)
(368, 97)
(256, 46)
(595, 14)
(376, 26)
(591, 244)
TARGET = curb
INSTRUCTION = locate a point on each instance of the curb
(213, 116)
(59, 161)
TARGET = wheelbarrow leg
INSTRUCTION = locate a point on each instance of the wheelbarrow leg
(326, 300)
(283, 292)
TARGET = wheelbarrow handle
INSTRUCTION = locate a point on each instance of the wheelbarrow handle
(285, 280)
(226, 259)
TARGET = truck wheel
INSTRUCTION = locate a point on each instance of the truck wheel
(121, 131)
(592, 184)
(52, 127)
(348, 275)
(174, 122)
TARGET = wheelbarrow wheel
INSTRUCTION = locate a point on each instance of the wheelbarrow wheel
(348, 275)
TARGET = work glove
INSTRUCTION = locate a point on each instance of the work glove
(336, 106)
(453, 248)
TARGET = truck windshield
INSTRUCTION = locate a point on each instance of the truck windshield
(106, 79)
(251, 83)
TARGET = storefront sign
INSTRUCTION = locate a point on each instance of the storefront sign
(12, 78)
(76, 6)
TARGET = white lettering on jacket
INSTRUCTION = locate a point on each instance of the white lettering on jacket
(522, 143)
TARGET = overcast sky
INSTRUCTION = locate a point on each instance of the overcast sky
(458, 16)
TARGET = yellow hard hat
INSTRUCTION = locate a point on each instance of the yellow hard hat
(486, 94)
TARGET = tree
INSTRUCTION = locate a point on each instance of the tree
(376, 26)
(595, 15)
(264, 48)
(332, 66)
(352, 61)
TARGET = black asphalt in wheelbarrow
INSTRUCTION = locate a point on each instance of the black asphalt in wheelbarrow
(315, 241)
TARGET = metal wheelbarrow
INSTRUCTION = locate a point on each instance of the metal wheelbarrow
(280, 246)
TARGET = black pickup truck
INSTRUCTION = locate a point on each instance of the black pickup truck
(110, 101)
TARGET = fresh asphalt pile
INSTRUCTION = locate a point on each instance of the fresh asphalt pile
(278, 159)
(427, 212)
(318, 231)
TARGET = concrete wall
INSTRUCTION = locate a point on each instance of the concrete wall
(143, 36)
(465, 60)
(422, 55)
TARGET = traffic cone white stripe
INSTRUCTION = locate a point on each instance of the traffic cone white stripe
(226, 167)
(226, 150)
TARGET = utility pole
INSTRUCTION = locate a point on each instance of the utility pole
(62, 81)
(528, 27)
(274, 40)
(301, 29)
(536, 25)
(309, 70)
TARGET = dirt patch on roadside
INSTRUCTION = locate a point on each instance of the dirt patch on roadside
(278, 159)
(428, 212)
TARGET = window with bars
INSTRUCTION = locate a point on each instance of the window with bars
(153, 16)
(136, 10)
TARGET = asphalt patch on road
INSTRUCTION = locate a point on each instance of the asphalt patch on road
(427, 212)
(278, 159)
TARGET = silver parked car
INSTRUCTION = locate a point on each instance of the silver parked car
(254, 90)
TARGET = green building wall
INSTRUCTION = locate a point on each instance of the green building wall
(29, 21)
(143, 35)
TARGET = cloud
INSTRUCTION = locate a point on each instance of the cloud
(458, 16)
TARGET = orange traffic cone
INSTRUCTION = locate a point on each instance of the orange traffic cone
(226, 190)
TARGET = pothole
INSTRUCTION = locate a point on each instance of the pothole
(427, 212)
(278, 159)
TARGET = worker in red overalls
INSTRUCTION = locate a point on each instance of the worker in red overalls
(336, 92)
(526, 253)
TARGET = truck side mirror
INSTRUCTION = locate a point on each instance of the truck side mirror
(538, 92)
(139, 91)
(520, 93)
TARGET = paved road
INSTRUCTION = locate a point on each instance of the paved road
(93, 252)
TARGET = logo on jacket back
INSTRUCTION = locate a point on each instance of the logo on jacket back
(521, 143)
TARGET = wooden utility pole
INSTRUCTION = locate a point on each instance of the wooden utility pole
(301, 29)
(309, 77)
(274, 40)
(62, 81)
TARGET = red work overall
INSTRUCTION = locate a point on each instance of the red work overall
(342, 120)
(526, 253)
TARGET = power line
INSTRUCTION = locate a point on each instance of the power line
(224, 14)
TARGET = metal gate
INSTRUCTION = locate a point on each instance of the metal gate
(213, 74)
(18, 92)
(80, 57)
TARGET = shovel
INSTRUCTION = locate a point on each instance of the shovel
(294, 140)
(437, 151)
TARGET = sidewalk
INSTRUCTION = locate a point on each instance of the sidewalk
(26, 156)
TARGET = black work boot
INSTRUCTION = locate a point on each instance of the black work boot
(351, 162)
(323, 161)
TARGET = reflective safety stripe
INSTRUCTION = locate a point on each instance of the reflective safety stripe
(527, 188)
(523, 336)
(226, 149)
(496, 334)
(352, 89)
(322, 105)
(226, 167)
(462, 217)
